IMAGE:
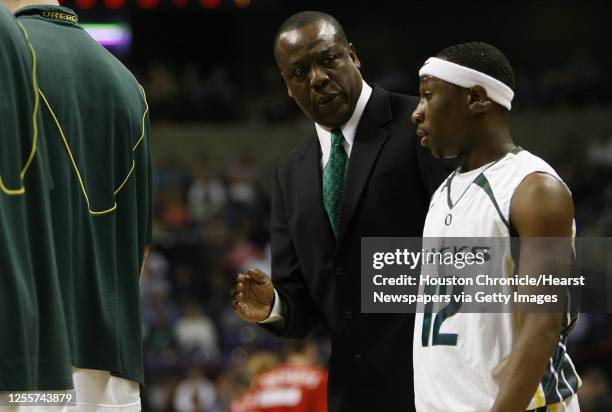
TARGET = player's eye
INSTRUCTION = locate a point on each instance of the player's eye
(427, 95)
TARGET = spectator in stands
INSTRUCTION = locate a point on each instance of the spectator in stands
(297, 385)
(195, 332)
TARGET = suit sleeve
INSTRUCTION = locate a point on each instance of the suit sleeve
(433, 171)
(300, 314)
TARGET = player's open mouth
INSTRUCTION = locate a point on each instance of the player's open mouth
(424, 136)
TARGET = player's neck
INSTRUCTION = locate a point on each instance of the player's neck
(14, 5)
(491, 146)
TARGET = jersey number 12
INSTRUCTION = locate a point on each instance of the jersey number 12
(448, 339)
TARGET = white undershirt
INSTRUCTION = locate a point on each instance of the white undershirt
(461, 182)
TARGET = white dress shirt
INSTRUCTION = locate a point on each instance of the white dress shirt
(349, 129)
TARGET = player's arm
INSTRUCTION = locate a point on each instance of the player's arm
(541, 207)
(145, 256)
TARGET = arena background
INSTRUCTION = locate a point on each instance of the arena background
(221, 119)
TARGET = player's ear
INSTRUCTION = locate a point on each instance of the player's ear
(478, 100)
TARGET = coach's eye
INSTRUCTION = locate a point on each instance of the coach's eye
(298, 72)
(329, 60)
(428, 95)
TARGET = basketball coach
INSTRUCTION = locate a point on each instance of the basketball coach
(362, 173)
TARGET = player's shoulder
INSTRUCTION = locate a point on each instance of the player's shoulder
(523, 158)
(117, 71)
(9, 30)
(516, 165)
(6, 18)
(519, 164)
(539, 175)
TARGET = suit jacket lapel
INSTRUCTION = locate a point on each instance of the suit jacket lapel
(311, 193)
(369, 139)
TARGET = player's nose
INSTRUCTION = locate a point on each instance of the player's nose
(418, 116)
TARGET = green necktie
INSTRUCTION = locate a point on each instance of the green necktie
(333, 179)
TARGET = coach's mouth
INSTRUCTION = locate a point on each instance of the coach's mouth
(327, 99)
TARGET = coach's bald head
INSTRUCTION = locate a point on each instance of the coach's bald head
(299, 20)
(319, 66)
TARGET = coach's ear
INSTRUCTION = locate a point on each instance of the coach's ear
(478, 100)
(286, 85)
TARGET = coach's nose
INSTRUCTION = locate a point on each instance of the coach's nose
(319, 79)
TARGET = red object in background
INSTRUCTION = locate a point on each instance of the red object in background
(148, 4)
(114, 4)
(85, 4)
(181, 3)
(210, 4)
(286, 388)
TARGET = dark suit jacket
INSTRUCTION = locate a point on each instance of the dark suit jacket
(386, 193)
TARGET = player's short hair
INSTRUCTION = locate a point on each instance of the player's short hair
(481, 57)
(305, 18)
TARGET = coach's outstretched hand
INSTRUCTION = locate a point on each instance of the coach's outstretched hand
(253, 296)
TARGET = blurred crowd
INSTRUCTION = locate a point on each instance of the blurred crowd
(190, 92)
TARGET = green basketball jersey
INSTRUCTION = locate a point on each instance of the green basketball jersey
(97, 131)
(33, 338)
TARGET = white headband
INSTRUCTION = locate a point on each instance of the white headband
(466, 77)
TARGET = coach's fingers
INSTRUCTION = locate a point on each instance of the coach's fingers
(242, 310)
(241, 278)
(239, 284)
(258, 276)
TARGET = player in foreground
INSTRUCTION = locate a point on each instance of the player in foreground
(479, 361)
(33, 339)
(96, 129)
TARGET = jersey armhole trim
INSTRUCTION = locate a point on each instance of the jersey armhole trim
(484, 184)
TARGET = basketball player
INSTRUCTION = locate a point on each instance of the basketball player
(96, 129)
(34, 351)
(478, 361)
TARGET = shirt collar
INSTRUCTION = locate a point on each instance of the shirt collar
(349, 128)
(56, 14)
